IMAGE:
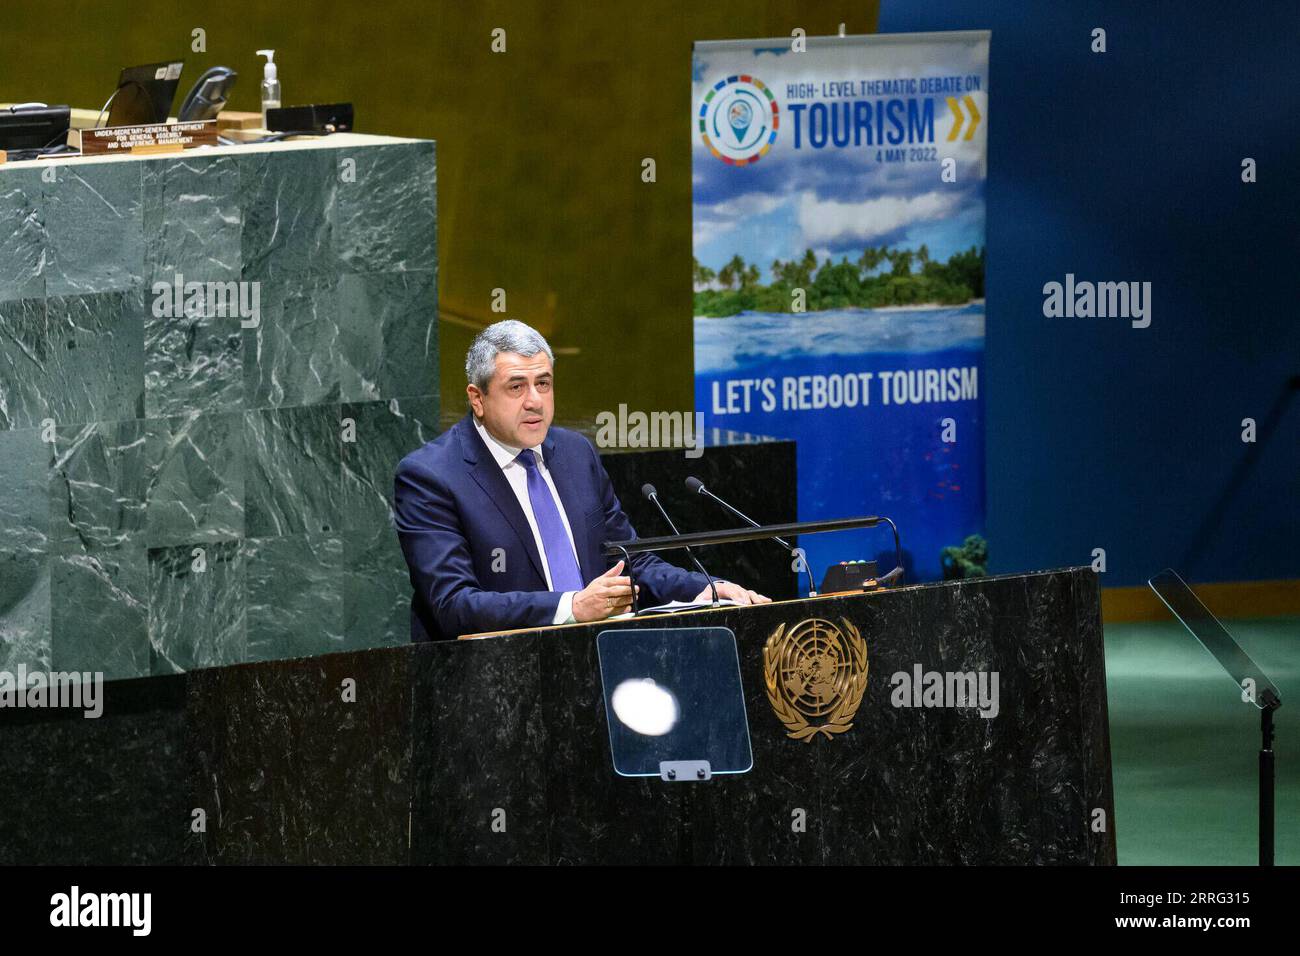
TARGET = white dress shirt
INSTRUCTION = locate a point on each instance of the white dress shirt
(517, 476)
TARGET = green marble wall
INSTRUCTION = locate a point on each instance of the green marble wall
(128, 440)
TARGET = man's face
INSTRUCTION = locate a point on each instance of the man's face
(519, 403)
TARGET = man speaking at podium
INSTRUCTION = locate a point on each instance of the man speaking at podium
(501, 517)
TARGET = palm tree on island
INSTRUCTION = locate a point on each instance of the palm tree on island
(862, 284)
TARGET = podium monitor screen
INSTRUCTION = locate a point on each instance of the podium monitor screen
(674, 702)
(145, 94)
(1214, 637)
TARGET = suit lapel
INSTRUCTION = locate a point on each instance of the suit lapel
(573, 510)
(487, 474)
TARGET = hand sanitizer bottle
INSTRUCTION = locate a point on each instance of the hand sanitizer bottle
(270, 85)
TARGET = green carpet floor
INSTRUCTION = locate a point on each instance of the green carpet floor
(1184, 748)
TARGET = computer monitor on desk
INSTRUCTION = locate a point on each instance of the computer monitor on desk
(33, 127)
(145, 94)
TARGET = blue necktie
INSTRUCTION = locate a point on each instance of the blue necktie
(563, 566)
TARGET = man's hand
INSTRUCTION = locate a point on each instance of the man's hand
(607, 595)
(734, 591)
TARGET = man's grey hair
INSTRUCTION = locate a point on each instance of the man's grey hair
(508, 335)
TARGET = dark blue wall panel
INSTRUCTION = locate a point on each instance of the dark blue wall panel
(1127, 166)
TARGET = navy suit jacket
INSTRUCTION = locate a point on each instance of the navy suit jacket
(455, 509)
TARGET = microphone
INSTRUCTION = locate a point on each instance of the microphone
(649, 491)
(696, 486)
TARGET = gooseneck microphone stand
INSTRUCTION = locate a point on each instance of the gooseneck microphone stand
(649, 491)
(694, 484)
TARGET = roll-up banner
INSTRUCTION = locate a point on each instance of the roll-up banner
(838, 199)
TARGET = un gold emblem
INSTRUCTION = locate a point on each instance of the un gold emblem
(815, 671)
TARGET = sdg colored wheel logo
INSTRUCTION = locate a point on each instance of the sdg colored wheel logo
(739, 119)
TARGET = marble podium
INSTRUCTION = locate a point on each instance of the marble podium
(496, 750)
(188, 488)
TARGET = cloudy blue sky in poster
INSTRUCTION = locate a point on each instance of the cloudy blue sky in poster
(833, 200)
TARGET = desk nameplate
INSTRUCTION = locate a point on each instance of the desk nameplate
(154, 137)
